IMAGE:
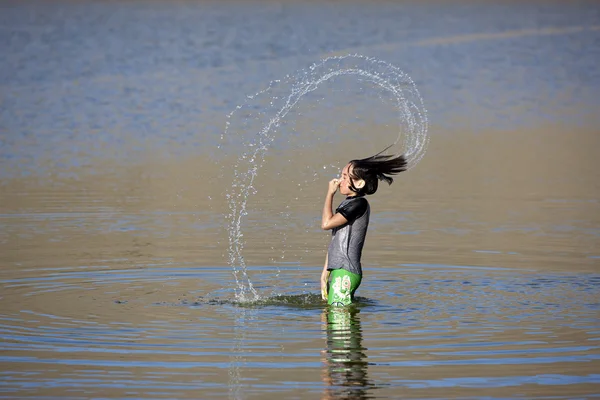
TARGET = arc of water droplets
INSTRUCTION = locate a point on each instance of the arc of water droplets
(412, 115)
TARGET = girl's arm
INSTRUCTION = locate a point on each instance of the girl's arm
(324, 278)
(328, 219)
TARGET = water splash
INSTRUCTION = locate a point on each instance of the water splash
(271, 109)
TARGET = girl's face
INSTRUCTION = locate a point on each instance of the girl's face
(345, 181)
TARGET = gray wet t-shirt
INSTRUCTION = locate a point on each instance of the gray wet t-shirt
(347, 240)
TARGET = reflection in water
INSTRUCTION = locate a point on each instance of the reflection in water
(243, 317)
(345, 365)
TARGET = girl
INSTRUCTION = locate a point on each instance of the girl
(342, 272)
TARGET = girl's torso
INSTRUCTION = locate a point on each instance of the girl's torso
(347, 241)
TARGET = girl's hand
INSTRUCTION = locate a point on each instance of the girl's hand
(334, 184)
(324, 290)
(324, 279)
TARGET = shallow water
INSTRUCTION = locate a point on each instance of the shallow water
(429, 331)
(481, 264)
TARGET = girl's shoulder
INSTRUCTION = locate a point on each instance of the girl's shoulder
(353, 207)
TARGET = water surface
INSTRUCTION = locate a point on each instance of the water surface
(481, 263)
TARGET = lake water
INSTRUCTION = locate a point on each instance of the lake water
(482, 263)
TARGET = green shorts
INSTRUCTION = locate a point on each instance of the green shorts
(341, 288)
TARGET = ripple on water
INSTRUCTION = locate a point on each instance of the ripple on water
(466, 327)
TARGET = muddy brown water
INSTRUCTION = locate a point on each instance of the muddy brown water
(481, 263)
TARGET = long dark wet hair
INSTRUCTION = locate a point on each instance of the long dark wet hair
(374, 169)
